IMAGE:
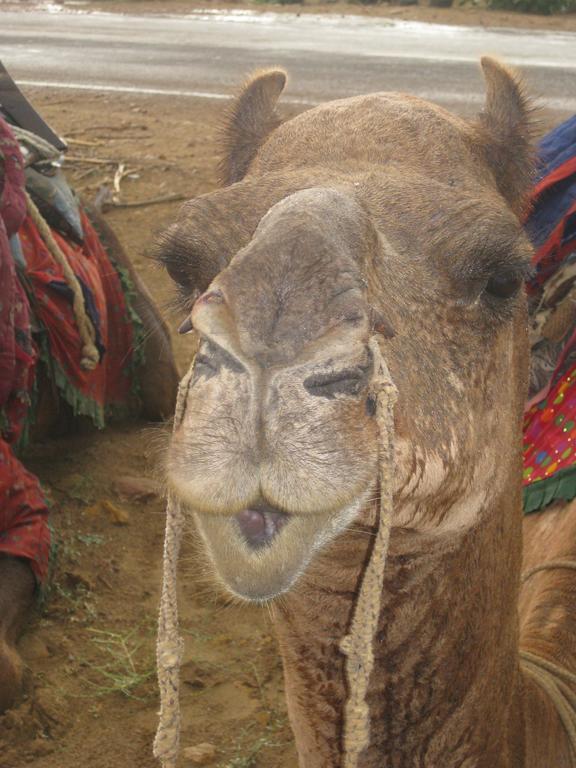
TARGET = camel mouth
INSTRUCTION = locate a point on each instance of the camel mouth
(260, 524)
(257, 553)
(261, 551)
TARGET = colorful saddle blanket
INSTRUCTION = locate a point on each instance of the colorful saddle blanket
(38, 327)
(550, 420)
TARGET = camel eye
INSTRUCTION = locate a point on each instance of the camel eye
(205, 363)
(351, 381)
(329, 385)
(211, 358)
(504, 285)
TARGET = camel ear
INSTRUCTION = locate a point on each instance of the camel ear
(249, 122)
(507, 128)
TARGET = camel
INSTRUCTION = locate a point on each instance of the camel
(379, 215)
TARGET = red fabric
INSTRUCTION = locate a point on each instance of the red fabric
(550, 431)
(562, 172)
(110, 381)
(12, 211)
(24, 528)
(551, 254)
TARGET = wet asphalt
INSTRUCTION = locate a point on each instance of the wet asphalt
(327, 56)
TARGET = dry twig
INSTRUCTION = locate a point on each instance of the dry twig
(151, 201)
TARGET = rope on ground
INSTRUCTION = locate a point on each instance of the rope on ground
(90, 355)
(358, 644)
(169, 645)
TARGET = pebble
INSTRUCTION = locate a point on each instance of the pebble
(201, 754)
(136, 488)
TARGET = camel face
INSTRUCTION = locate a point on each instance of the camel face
(377, 215)
(278, 447)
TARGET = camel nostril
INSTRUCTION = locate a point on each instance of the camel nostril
(260, 526)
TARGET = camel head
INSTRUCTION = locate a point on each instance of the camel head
(378, 216)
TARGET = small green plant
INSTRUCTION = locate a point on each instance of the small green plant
(544, 7)
(248, 760)
(247, 756)
(120, 672)
(77, 602)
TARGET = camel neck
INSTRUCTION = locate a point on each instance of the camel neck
(445, 679)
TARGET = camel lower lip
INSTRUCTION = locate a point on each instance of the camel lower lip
(260, 525)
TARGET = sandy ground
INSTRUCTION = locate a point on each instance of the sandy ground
(470, 14)
(91, 696)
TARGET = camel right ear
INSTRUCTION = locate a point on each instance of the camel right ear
(249, 122)
(507, 128)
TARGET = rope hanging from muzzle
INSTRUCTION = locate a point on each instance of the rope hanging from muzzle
(358, 644)
(169, 644)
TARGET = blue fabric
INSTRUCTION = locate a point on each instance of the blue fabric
(556, 148)
(17, 252)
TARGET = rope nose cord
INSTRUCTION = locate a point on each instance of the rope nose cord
(358, 644)
(169, 644)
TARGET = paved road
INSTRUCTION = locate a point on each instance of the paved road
(327, 56)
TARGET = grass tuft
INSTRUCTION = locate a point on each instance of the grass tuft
(120, 671)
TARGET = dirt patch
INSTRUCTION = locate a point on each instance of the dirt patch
(91, 696)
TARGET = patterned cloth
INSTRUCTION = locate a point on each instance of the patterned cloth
(550, 419)
(552, 221)
(549, 445)
(34, 294)
(23, 512)
(109, 385)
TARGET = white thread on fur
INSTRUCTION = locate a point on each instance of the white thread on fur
(554, 679)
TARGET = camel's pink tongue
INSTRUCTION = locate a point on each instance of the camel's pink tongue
(259, 526)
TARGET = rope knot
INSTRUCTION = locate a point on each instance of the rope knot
(170, 654)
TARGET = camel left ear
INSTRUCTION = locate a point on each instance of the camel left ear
(249, 122)
(507, 128)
